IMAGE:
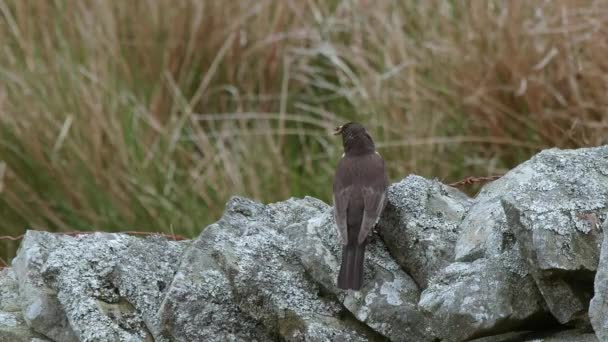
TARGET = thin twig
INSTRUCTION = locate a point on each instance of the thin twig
(473, 180)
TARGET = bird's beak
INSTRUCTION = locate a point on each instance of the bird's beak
(338, 130)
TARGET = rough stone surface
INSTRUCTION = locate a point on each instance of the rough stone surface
(598, 308)
(78, 269)
(200, 303)
(39, 303)
(492, 292)
(522, 255)
(143, 275)
(487, 239)
(420, 225)
(12, 325)
(470, 299)
(387, 302)
(484, 229)
(261, 253)
(70, 287)
(573, 335)
(556, 215)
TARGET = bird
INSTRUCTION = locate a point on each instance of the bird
(360, 195)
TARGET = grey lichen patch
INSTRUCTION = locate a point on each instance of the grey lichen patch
(79, 269)
(14, 329)
(9, 295)
(268, 278)
(598, 308)
(484, 229)
(84, 288)
(201, 307)
(555, 184)
(421, 225)
(555, 335)
(199, 304)
(320, 328)
(144, 274)
(39, 303)
(12, 324)
(468, 299)
(391, 290)
(555, 215)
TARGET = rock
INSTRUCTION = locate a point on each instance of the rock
(573, 335)
(143, 276)
(484, 229)
(70, 287)
(200, 302)
(40, 305)
(598, 308)
(276, 265)
(469, 299)
(79, 269)
(9, 295)
(486, 232)
(14, 329)
(566, 336)
(387, 303)
(555, 214)
(487, 249)
(12, 325)
(251, 276)
(420, 225)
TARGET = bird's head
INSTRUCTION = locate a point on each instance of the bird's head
(355, 138)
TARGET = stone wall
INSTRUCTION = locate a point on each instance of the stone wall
(522, 261)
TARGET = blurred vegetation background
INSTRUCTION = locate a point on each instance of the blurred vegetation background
(149, 115)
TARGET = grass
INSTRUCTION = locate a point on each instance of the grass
(149, 115)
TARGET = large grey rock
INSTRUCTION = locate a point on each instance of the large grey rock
(40, 305)
(143, 275)
(249, 273)
(70, 287)
(420, 225)
(79, 270)
(573, 335)
(484, 229)
(487, 241)
(598, 308)
(388, 300)
(12, 325)
(555, 215)
(469, 299)
(200, 304)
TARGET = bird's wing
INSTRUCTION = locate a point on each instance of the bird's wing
(374, 195)
(340, 206)
(374, 199)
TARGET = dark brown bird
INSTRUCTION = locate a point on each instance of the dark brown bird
(360, 186)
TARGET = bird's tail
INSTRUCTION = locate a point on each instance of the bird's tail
(351, 270)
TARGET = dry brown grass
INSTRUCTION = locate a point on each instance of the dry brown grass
(148, 115)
